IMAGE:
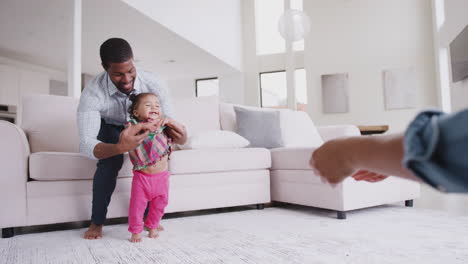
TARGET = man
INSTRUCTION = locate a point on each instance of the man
(101, 116)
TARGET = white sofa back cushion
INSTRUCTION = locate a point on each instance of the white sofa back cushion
(197, 114)
(297, 129)
(49, 122)
(215, 139)
(227, 117)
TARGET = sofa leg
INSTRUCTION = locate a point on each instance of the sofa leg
(341, 214)
(260, 206)
(409, 203)
(8, 232)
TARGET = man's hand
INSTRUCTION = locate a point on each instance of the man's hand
(332, 162)
(131, 137)
(369, 176)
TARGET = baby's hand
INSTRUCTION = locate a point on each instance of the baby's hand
(159, 123)
(151, 125)
(164, 122)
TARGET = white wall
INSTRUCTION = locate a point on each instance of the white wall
(181, 88)
(51, 73)
(456, 19)
(213, 25)
(362, 38)
(250, 61)
(17, 78)
(231, 88)
(459, 95)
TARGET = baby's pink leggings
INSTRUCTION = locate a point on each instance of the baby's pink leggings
(153, 188)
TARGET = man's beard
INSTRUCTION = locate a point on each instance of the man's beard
(122, 90)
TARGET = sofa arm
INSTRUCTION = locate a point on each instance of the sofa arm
(332, 132)
(14, 155)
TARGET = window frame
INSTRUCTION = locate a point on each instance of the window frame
(260, 85)
(204, 79)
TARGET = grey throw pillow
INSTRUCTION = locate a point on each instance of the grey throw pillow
(261, 128)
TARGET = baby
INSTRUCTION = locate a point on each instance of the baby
(150, 167)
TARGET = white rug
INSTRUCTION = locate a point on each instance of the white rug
(388, 234)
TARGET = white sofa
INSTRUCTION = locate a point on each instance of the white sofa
(45, 180)
(291, 181)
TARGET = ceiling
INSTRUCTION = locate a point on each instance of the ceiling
(38, 32)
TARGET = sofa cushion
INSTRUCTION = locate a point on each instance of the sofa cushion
(291, 158)
(216, 160)
(50, 166)
(49, 122)
(227, 114)
(297, 128)
(227, 117)
(215, 139)
(261, 128)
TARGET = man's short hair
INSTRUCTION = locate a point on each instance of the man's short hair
(115, 50)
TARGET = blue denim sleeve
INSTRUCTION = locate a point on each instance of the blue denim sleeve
(436, 150)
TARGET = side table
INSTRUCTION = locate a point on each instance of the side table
(369, 130)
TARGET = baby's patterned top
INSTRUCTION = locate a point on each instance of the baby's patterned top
(151, 150)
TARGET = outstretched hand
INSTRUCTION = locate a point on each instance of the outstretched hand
(369, 176)
(332, 162)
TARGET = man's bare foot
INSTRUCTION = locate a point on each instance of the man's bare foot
(94, 232)
(136, 238)
(153, 233)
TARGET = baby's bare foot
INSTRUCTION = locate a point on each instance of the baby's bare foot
(136, 238)
(94, 232)
(153, 233)
(159, 228)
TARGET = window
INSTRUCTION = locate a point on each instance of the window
(267, 14)
(297, 4)
(274, 93)
(207, 87)
(440, 13)
(301, 89)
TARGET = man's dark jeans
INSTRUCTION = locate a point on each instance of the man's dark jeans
(106, 173)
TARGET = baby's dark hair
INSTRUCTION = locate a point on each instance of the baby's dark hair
(135, 99)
